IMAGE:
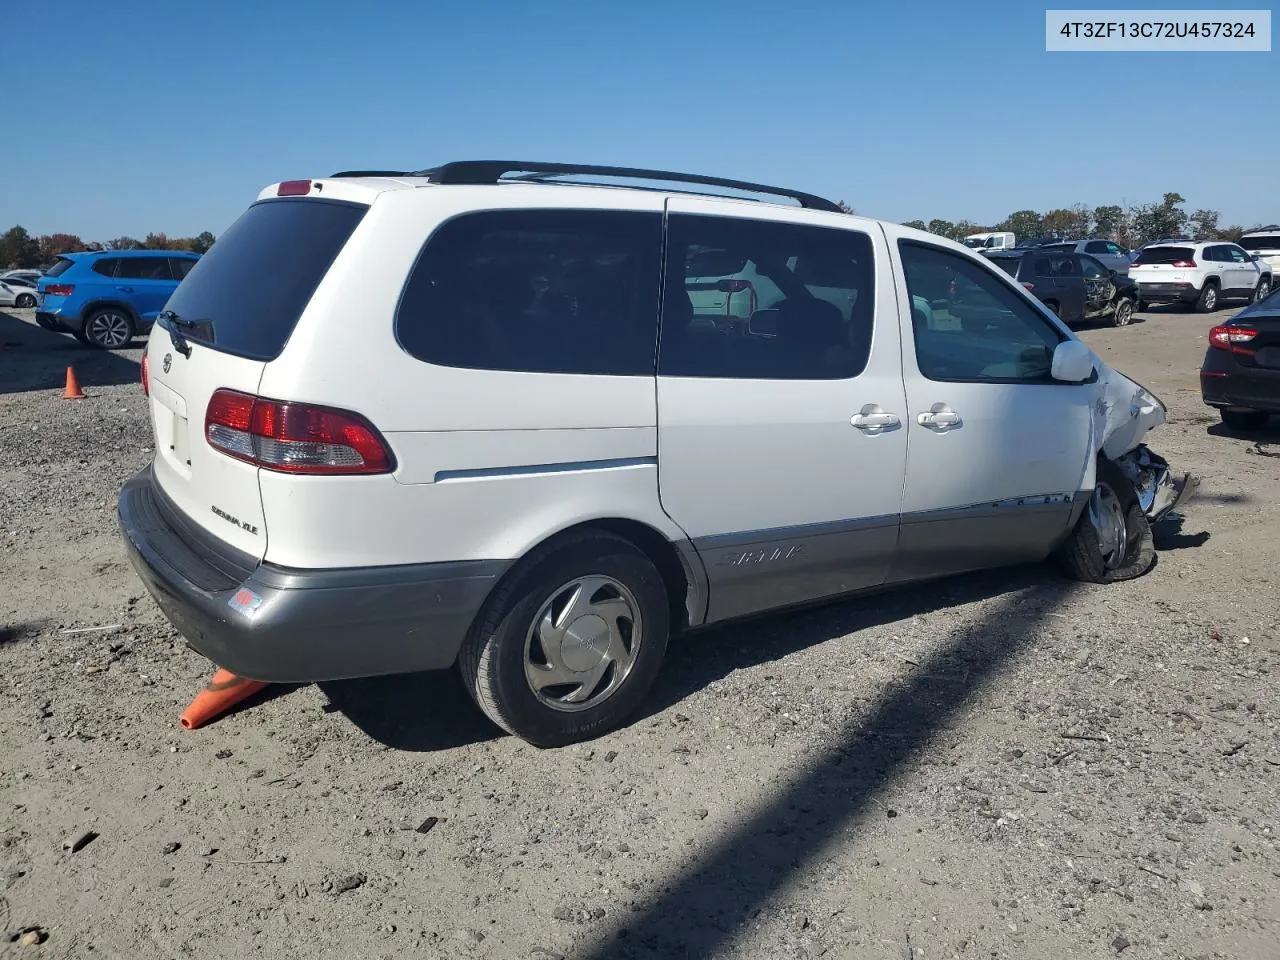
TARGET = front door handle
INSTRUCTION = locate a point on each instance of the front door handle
(938, 417)
(873, 419)
(125, 289)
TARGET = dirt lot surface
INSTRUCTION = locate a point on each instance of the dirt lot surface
(1002, 765)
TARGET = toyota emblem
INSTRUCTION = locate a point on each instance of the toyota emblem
(167, 362)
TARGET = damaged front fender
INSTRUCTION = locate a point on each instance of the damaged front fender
(1125, 413)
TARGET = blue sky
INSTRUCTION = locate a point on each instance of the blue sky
(170, 117)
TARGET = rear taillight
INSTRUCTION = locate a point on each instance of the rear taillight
(1227, 337)
(59, 289)
(145, 373)
(1190, 264)
(294, 437)
(293, 188)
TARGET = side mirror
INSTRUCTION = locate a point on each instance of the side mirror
(1254, 257)
(1072, 362)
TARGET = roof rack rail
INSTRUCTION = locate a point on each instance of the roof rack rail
(491, 171)
(370, 173)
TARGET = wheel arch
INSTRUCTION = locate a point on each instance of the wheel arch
(683, 576)
(94, 305)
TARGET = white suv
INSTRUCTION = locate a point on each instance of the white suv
(1202, 274)
(405, 421)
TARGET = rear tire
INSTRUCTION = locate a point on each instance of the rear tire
(109, 328)
(585, 602)
(1123, 312)
(1208, 300)
(1264, 289)
(1112, 540)
(24, 301)
(1244, 419)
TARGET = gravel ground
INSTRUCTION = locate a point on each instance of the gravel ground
(1000, 765)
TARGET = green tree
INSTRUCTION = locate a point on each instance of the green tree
(1109, 220)
(204, 241)
(1060, 223)
(156, 241)
(1232, 233)
(1204, 224)
(124, 243)
(19, 249)
(943, 228)
(916, 225)
(1023, 224)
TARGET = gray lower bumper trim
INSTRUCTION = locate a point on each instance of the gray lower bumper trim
(288, 625)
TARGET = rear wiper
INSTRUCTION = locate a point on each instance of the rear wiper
(171, 323)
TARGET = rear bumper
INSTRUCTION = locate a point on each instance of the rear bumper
(293, 626)
(57, 320)
(1167, 293)
(1225, 383)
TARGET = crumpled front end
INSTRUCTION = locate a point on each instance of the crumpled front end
(1159, 491)
(1127, 412)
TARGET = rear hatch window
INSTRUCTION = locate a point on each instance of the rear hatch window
(1269, 242)
(244, 296)
(59, 268)
(1163, 255)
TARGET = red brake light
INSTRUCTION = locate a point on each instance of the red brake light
(59, 289)
(1183, 263)
(294, 437)
(293, 188)
(1227, 337)
(145, 374)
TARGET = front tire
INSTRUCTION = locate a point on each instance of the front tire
(1112, 540)
(567, 648)
(109, 328)
(1123, 312)
(25, 301)
(1208, 300)
(1244, 419)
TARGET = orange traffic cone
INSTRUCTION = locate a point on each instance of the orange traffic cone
(73, 391)
(222, 693)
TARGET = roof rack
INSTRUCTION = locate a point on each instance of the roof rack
(491, 171)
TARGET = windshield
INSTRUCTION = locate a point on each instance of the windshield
(1259, 242)
(246, 294)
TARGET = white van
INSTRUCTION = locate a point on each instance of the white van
(990, 241)
(405, 421)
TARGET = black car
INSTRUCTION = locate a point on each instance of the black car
(1075, 286)
(1241, 371)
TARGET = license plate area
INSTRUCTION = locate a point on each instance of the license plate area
(172, 429)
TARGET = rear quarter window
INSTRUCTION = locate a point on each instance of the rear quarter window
(246, 294)
(538, 291)
(1008, 264)
(60, 267)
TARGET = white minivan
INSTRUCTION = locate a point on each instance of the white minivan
(468, 416)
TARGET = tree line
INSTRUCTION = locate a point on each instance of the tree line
(18, 248)
(1129, 226)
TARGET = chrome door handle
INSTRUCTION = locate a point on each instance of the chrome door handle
(873, 418)
(938, 416)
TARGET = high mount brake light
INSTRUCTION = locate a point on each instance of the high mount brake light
(294, 437)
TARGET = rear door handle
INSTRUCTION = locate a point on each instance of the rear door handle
(873, 419)
(939, 416)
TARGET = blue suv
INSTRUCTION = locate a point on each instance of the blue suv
(107, 297)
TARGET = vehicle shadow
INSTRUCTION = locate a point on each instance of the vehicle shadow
(1168, 534)
(32, 358)
(1268, 433)
(425, 712)
(700, 909)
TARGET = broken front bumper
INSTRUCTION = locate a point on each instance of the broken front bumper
(1159, 491)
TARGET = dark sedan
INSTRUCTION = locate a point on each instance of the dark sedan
(1241, 371)
(1075, 286)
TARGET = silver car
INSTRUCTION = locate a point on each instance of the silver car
(1111, 254)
